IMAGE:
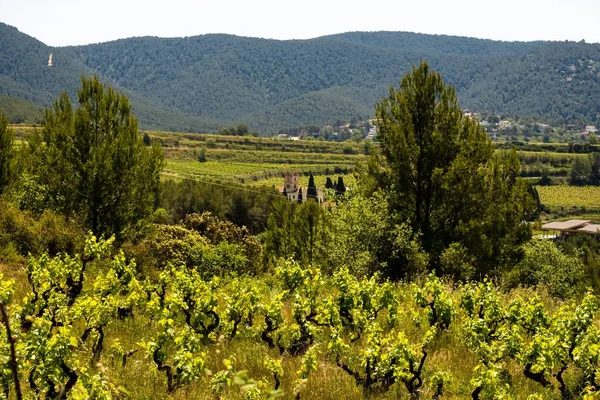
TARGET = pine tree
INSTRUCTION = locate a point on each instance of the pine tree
(93, 162)
(441, 173)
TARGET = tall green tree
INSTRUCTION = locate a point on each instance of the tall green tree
(7, 153)
(365, 239)
(441, 174)
(580, 171)
(311, 192)
(93, 162)
(297, 230)
(329, 184)
(340, 187)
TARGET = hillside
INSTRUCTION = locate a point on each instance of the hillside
(205, 82)
(19, 110)
(25, 75)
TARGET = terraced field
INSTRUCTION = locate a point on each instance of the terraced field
(256, 161)
(263, 161)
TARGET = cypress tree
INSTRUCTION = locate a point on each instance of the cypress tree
(340, 188)
(312, 189)
(329, 184)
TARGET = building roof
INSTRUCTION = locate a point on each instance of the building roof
(570, 225)
(591, 228)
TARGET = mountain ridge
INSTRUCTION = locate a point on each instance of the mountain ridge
(204, 82)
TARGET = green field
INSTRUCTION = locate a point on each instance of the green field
(259, 161)
(263, 161)
(567, 197)
(256, 161)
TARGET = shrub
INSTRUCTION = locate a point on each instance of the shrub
(203, 242)
(22, 233)
(544, 264)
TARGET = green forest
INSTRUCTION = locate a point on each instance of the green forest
(423, 280)
(205, 83)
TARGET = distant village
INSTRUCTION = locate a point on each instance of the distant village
(499, 128)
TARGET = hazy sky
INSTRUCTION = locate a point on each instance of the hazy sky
(68, 22)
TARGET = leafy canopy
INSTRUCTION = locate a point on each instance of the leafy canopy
(441, 174)
(7, 153)
(93, 163)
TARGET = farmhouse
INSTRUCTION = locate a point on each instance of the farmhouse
(574, 226)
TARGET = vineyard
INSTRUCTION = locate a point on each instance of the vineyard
(260, 162)
(566, 197)
(158, 265)
(92, 326)
(248, 172)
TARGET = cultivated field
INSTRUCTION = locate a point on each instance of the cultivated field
(256, 161)
(566, 197)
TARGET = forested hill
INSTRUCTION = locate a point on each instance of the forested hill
(25, 75)
(208, 81)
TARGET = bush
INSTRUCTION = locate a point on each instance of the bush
(456, 262)
(203, 242)
(22, 233)
(546, 265)
(202, 154)
(211, 143)
(217, 231)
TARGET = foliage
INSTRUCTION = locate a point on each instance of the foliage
(218, 231)
(311, 189)
(545, 264)
(441, 174)
(93, 163)
(586, 170)
(581, 170)
(243, 208)
(365, 239)
(7, 154)
(201, 242)
(456, 263)
(22, 233)
(340, 187)
(296, 230)
(20, 111)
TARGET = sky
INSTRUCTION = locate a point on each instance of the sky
(75, 22)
